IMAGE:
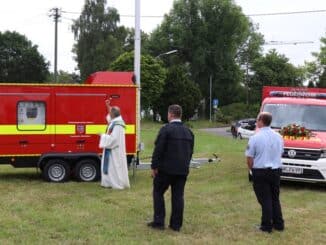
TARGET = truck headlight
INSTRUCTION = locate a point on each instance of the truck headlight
(323, 153)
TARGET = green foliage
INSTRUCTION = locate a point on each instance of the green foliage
(274, 69)
(237, 111)
(207, 35)
(130, 39)
(179, 89)
(152, 76)
(251, 49)
(20, 60)
(99, 39)
(316, 70)
(248, 53)
(64, 77)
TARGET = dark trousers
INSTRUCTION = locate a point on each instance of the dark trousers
(161, 183)
(266, 183)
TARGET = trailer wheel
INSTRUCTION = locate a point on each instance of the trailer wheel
(56, 170)
(87, 170)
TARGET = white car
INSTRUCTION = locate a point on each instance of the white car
(245, 132)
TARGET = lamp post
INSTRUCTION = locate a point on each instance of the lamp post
(137, 73)
(167, 53)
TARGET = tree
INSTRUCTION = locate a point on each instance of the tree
(152, 76)
(274, 69)
(99, 40)
(179, 89)
(64, 77)
(316, 70)
(130, 41)
(20, 60)
(248, 53)
(207, 35)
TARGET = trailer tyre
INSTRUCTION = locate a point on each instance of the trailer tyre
(56, 170)
(87, 170)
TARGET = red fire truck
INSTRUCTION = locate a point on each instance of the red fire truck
(55, 127)
(304, 159)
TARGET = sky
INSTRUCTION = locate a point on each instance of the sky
(31, 18)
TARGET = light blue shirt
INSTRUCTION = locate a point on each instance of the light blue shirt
(266, 148)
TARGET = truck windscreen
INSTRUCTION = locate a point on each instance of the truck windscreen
(310, 116)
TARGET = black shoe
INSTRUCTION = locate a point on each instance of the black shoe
(155, 225)
(279, 228)
(263, 229)
(174, 228)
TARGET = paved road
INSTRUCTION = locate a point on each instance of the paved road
(219, 131)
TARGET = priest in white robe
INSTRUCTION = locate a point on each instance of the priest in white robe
(114, 162)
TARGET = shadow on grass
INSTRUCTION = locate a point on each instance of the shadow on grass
(292, 185)
(21, 176)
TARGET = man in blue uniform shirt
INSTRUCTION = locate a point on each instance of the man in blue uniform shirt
(264, 152)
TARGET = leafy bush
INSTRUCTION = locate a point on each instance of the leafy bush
(237, 111)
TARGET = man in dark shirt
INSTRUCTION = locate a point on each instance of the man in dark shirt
(170, 167)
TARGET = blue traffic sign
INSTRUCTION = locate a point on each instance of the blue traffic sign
(215, 103)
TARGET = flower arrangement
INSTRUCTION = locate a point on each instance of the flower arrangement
(295, 131)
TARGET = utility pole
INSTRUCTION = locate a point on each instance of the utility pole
(137, 66)
(56, 14)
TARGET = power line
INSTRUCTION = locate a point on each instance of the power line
(287, 42)
(290, 13)
(249, 15)
(69, 12)
(263, 14)
(71, 19)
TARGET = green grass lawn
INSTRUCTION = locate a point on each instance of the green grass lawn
(220, 206)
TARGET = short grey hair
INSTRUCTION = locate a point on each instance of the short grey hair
(266, 118)
(175, 110)
(115, 112)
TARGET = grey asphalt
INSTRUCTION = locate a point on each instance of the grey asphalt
(224, 131)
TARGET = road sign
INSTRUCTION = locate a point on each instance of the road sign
(215, 103)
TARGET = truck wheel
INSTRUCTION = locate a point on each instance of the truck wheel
(56, 170)
(87, 170)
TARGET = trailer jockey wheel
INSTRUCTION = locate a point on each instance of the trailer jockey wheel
(87, 170)
(56, 170)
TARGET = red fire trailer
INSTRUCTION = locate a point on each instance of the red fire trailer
(55, 127)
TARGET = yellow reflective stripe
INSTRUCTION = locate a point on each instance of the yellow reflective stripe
(62, 129)
(65, 129)
(96, 128)
(26, 129)
(100, 129)
(130, 129)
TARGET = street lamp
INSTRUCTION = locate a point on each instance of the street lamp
(167, 53)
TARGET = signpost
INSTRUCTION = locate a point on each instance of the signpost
(215, 103)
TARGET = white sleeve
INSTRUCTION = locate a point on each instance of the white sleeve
(251, 150)
(110, 141)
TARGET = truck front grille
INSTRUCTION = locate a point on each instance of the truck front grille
(301, 154)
